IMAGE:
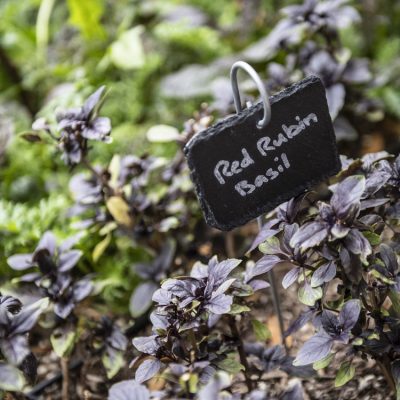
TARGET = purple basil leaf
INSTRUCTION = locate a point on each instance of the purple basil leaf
(63, 308)
(347, 194)
(68, 243)
(389, 258)
(128, 390)
(82, 289)
(335, 95)
(315, 349)
(221, 270)
(69, 259)
(221, 289)
(299, 322)
(264, 265)
(325, 273)
(24, 321)
(141, 298)
(10, 304)
(20, 262)
(258, 284)
(290, 277)
(48, 241)
(349, 314)
(147, 369)
(371, 203)
(162, 296)
(309, 235)
(92, 101)
(146, 344)
(15, 348)
(219, 304)
(158, 321)
(330, 323)
(266, 232)
(358, 244)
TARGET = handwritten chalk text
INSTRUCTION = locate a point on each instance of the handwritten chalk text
(245, 188)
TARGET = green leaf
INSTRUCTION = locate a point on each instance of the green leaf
(127, 52)
(238, 309)
(260, 330)
(395, 299)
(101, 248)
(42, 24)
(324, 362)
(162, 134)
(12, 378)
(63, 342)
(230, 364)
(86, 15)
(270, 246)
(119, 209)
(309, 295)
(372, 238)
(112, 363)
(345, 374)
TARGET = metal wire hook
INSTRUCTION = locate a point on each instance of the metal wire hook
(261, 88)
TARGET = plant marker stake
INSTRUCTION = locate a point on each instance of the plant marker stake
(275, 296)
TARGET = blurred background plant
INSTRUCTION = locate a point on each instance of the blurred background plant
(165, 66)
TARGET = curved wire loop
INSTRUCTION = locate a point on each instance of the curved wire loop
(261, 88)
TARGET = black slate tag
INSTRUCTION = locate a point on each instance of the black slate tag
(241, 172)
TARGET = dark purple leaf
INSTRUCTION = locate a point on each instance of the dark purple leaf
(347, 194)
(82, 289)
(219, 304)
(24, 321)
(265, 233)
(264, 265)
(15, 348)
(221, 270)
(162, 296)
(335, 96)
(330, 323)
(128, 390)
(48, 242)
(63, 308)
(11, 304)
(349, 314)
(299, 322)
(290, 277)
(147, 369)
(358, 244)
(69, 259)
(325, 273)
(258, 284)
(20, 262)
(389, 258)
(141, 298)
(92, 101)
(146, 344)
(309, 235)
(315, 349)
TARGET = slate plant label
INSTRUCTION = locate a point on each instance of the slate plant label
(241, 171)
